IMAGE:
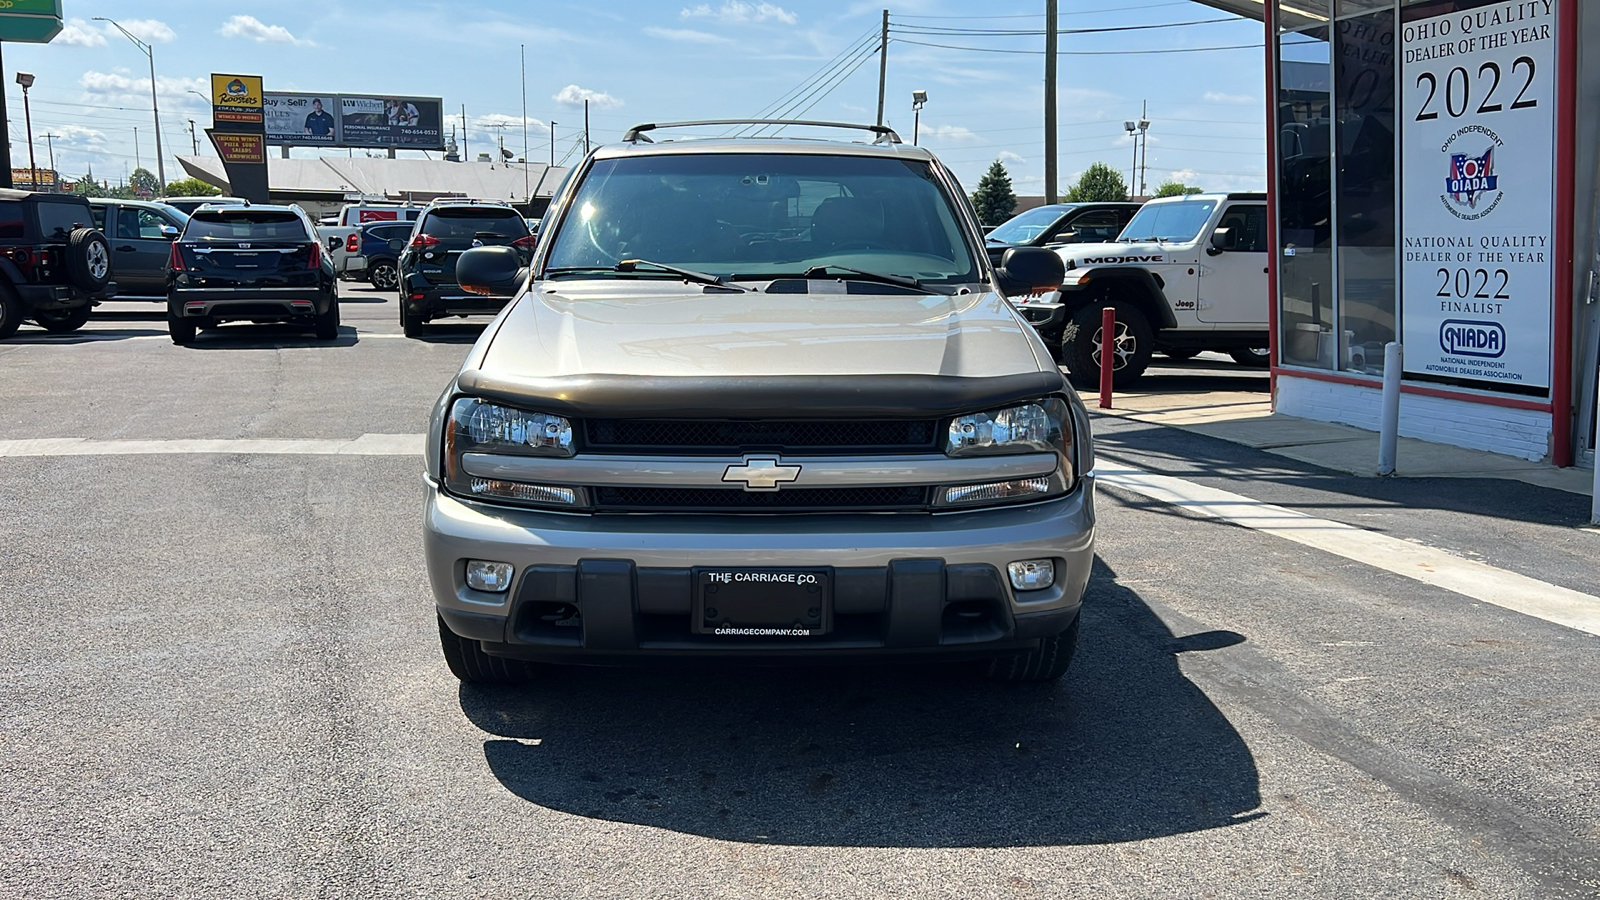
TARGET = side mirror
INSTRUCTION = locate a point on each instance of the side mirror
(1030, 270)
(1222, 240)
(491, 271)
(169, 232)
(1065, 237)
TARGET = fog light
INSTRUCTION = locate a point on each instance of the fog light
(1032, 574)
(996, 492)
(495, 577)
(527, 493)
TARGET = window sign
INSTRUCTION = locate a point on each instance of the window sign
(1478, 148)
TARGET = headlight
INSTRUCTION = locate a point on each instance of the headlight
(1039, 426)
(1044, 426)
(476, 426)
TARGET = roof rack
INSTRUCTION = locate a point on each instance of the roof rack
(466, 201)
(883, 133)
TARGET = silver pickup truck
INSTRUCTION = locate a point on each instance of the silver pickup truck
(759, 400)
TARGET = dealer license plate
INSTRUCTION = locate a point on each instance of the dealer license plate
(777, 603)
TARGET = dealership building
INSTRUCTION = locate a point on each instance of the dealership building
(1433, 183)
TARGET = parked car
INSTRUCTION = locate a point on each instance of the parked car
(427, 266)
(757, 400)
(1187, 274)
(251, 264)
(341, 238)
(141, 235)
(1060, 223)
(54, 264)
(379, 246)
(187, 205)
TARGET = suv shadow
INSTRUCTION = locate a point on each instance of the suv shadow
(253, 336)
(1124, 748)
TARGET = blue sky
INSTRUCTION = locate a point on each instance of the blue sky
(653, 61)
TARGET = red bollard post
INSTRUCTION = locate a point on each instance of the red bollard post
(1108, 353)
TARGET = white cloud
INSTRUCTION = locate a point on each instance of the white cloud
(739, 11)
(1008, 156)
(117, 84)
(498, 120)
(572, 95)
(687, 35)
(1230, 99)
(79, 33)
(260, 32)
(151, 31)
(950, 134)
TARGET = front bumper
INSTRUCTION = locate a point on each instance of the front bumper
(255, 303)
(1046, 313)
(621, 585)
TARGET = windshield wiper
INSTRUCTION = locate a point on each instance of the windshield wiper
(897, 280)
(629, 265)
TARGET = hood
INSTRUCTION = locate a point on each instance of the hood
(1114, 254)
(569, 328)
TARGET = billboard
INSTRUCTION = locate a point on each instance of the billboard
(301, 119)
(236, 98)
(354, 120)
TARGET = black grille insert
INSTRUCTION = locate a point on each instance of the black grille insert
(629, 499)
(698, 436)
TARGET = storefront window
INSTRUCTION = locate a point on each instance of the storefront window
(1364, 70)
(1305, 204)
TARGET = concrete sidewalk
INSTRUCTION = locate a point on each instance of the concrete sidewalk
(1247, 418)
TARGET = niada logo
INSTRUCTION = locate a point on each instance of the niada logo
(1471, 187)
(1459, 337)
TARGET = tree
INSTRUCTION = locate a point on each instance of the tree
(994, 199)
(1098, 183)
(1171, 188)
(143, 181)
(192, 187)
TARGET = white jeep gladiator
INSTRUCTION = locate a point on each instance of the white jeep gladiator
(1187, 274)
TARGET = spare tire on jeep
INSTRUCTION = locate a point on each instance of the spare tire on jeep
(88, 260)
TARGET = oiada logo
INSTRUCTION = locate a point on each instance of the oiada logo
(1471, 187)
(1459, 337)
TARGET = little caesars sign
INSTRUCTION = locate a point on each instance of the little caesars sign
(1478, 148)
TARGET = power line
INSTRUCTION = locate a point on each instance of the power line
(862, 44)
(1081, 12)
(1010, 32)
(1084, 52)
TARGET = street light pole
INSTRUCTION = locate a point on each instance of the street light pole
(155, 111)
(552, 143)
(917, 99)
(26, 80)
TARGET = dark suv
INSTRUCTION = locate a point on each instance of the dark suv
(428, 288)
(1060, 223)
(381, 243)
(253, 264)
(54, 265)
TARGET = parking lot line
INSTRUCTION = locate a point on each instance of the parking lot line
(1429, 565)
(365, 445)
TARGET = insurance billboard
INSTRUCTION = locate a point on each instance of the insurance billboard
(376, 121)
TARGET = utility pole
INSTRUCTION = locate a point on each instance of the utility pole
(55, 182)
(527, 196)
(137, 164)
(1144, 154)
(5, 133)
(883, 63)
(552, 143)
(194, 142)
(464, 156)
(586, 126)
(1050, 101)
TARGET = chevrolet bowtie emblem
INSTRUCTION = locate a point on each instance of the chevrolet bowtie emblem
(761, 473)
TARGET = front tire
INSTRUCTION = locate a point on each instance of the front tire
(1131, 346)
(384, 276)
(471, 665)
(181, 330)
(1252, 357)
(62, 321)
(1047, 662)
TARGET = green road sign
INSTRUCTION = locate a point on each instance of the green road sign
(30, 21)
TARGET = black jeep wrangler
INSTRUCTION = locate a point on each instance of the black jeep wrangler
(54, 265)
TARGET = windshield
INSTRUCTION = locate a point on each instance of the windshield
(1177, 221)
(1026, 226)
(754, 216)
(243, 225)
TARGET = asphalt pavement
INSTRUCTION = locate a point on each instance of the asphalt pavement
(222, 678)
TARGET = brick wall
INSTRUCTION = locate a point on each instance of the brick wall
(1522, 433)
